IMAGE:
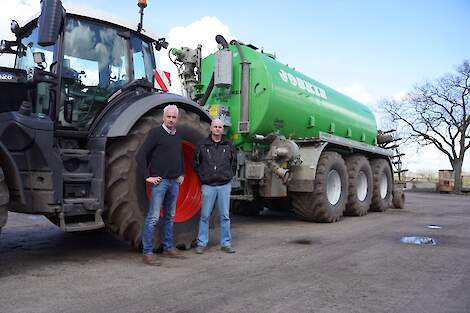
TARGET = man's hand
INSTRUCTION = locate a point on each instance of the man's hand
(153, 180)
(180, 180)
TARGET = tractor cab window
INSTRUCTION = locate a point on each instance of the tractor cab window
(143, 60)
(95, 65)
(28, 45)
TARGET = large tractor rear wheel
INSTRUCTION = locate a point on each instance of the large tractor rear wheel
(327, 202)
(360, 185)
(4, 198)
(382, 185)
(127, 193)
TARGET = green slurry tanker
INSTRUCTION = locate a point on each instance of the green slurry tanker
(302, 145)
(81, 98)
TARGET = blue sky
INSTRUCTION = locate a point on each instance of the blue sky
(366, 49)
(386, 46)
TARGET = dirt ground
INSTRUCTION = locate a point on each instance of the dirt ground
(281, 265)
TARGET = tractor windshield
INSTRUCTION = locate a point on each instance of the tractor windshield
(143, 60)
(95, 65)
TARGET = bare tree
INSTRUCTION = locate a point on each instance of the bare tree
(438, 113)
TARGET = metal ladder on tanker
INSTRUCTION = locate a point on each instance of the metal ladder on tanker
(386, 140)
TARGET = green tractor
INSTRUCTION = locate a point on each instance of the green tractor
(73, 112)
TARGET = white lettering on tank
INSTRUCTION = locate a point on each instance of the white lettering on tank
(283, 75)
(302, 84)
(292, 79)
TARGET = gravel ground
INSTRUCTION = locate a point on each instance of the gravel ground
(281, 265)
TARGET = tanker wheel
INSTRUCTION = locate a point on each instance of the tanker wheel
(382, 185)
(398, 199)
(327, 202)
(360, 185)
(4, 198)
(127, 194)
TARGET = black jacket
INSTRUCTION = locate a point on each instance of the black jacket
(163, 152)
(215, 162)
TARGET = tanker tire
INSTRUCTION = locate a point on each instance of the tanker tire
(4, 199)
(315, 206)
(359, 173)
(126, 199)
(381, 193)
(398, 199)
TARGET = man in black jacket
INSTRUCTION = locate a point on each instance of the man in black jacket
(161, 150)
(215, 162)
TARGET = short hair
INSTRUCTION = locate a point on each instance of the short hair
(170, 107)
(217, 120)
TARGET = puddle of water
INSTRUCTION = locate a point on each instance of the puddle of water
(434, 226)
(419, 240)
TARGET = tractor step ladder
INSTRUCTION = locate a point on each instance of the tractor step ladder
(81, 226)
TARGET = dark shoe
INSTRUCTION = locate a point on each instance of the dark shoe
(200, 249)
(173, 253)
(227, 249)
(151, 259)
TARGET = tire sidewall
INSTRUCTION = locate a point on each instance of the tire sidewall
(338, 208)
(378, 203)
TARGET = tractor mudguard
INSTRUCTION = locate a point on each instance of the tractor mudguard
(125, 114)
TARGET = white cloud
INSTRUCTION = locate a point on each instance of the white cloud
(358, 93)
(400, 95)
(202, 31)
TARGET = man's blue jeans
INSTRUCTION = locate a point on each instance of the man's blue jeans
(209, 195)
(163, 195)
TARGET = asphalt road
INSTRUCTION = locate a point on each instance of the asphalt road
(281, 265)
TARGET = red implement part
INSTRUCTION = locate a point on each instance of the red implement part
(189, 197)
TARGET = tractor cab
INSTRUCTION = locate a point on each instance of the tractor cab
(73, 79)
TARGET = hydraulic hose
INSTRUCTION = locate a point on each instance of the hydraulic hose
(221, 41)
(206, 95)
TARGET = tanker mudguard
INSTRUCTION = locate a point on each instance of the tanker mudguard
(12, 174)
(120, 119)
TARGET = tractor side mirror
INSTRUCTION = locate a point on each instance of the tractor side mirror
(50, 22)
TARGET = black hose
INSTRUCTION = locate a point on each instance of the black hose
(239, 48)
(221, 41)
(208, 91)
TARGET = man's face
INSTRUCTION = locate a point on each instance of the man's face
(217, 128)
(169, 118)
